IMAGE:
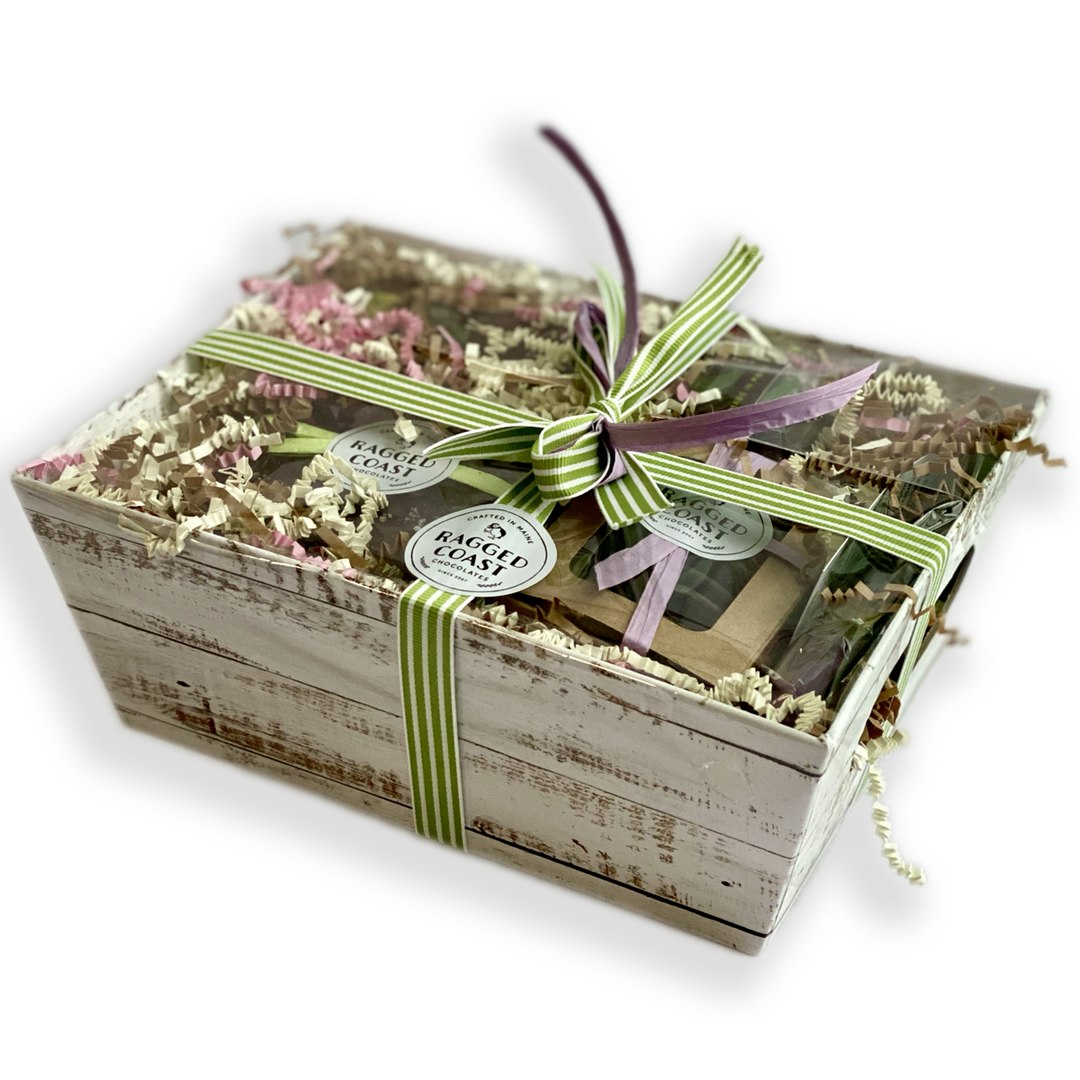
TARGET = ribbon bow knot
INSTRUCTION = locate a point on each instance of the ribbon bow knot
(572, 456)
(594, 450)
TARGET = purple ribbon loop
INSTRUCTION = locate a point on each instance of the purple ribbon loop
(630, 562)
(654, 600)
(724, 424)
(667, 560)
(588, 316)
(629, 343)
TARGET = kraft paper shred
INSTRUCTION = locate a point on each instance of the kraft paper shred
(909, 427)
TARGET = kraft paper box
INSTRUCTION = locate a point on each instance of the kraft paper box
(233, 547)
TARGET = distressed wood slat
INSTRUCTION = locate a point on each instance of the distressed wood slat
(532, 808)
(606, 776)
(664, 911)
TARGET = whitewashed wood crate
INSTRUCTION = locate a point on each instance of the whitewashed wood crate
(690, 811)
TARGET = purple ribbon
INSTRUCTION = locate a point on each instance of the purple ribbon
(629, 342)
(666, 557)
(667, 560)
(589, 315)
(715, 427)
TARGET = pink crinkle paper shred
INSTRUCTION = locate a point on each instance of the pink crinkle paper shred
(278, 541)
(49, 469)
(335, 327)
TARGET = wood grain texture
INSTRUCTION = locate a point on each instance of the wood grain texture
(70, 519)
(662, 910)
(530, 807)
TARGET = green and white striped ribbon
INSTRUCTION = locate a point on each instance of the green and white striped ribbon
(426, 648)
(631, 497)
(358, 380)
(696, 325)
(925, 549)
(428, 691)
(614, 303)
(569, 458)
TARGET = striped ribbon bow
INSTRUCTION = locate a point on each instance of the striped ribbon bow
(573, 456)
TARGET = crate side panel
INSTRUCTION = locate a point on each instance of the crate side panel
(715, 930)
(520, 804)
(840, 787)
(834, 797)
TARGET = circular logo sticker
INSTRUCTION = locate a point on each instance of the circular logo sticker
(711, 528)
(483, 551)
(399, 465)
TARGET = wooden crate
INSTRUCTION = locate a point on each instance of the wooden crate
(692, 812)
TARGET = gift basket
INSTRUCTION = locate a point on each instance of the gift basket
(624, 592)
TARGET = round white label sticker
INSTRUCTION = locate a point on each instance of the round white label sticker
(482, 551)
(399, 465)
(711, 528)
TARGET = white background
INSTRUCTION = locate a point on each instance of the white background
(911, 173)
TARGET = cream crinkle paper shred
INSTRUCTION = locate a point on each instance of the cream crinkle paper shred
(807, 713)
